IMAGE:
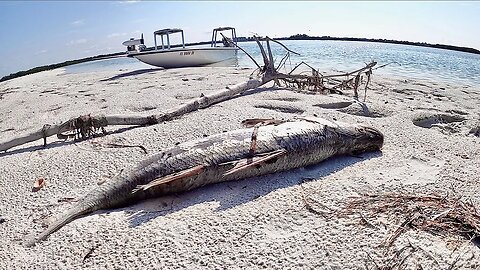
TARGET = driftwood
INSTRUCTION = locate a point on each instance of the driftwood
(87, 126)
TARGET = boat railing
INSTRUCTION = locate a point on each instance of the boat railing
(226, 43)
(167, 32)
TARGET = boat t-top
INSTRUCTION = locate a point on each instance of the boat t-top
(175, 56)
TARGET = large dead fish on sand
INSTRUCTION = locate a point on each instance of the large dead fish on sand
(224, 157)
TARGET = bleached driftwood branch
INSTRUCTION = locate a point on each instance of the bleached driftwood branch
(85, 126)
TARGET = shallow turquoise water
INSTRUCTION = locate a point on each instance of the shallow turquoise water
(327, 56)
(413, 61)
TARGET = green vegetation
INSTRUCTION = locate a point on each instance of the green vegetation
(421, 44)
(58, 65)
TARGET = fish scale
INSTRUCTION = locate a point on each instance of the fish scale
(225, 157)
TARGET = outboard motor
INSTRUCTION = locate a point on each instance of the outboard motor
(134, 42)
(131, 47)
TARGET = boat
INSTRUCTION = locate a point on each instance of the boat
(176, 56)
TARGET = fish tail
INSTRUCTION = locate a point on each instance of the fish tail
(115, 192)
(74, 213)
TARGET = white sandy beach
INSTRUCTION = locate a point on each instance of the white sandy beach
(259, 223)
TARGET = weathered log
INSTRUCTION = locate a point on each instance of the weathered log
(96, 122)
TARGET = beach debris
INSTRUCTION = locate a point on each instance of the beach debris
(67, 199)
(38, 184)
(435, 214)
(8, 129)
(404, 257)
(87, 126)
(2, 220)
(81, 127)
(90, 252)
(315, 81)
(118, 145)
(225, 157)
(308, 203)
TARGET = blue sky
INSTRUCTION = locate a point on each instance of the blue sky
(37, 33)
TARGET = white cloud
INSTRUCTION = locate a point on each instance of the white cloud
(128, 2)
(76, 42)
(116, 35)
(78, 22)
(41, 52)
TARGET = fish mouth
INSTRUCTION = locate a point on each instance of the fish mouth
(369, 139)
(375, 136)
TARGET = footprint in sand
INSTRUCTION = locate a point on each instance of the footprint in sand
(334, 105)
(353, 108)
(447, 123)
(289, 99)
(280, 108)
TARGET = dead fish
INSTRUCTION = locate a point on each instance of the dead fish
(225, 157)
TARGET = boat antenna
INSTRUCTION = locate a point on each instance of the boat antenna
(141, 39)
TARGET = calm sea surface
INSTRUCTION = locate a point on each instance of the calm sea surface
(330, 56)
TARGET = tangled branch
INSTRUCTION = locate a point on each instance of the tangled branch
(315, 81)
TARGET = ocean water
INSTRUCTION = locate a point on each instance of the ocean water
(337, 56)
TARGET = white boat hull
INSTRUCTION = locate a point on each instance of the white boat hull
(184, 57)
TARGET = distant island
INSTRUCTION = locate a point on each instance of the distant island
(243, 39)
(421, 44)
(59, 65)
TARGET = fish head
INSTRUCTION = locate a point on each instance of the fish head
(366, 139)
(353, 139)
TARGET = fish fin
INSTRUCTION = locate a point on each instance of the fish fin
(171, 177)
(247, 163)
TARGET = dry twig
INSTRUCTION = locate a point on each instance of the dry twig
(430, 213)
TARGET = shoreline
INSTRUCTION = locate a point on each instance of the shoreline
(298, 37)
(253, 223)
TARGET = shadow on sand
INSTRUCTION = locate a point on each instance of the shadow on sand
(231, 194)
(132, 73)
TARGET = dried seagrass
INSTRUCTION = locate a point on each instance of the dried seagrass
(431, 213)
